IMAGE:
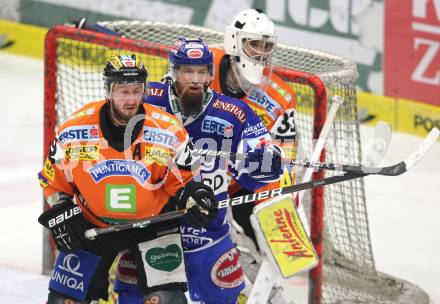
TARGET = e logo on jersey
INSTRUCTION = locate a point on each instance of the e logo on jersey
(79, 133)
(118, 167)
(160, 136)
(120, 198)
(211, 124)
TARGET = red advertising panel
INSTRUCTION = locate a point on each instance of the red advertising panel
(412, 50)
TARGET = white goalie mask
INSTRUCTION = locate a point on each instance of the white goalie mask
(250, 41)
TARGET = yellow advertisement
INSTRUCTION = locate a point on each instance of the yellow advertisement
(375, 108)
(285, 235)
(417, 118)
(22, 39)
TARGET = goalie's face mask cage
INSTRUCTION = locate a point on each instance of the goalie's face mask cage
(127, 70)
(250, 40)
(191, 62)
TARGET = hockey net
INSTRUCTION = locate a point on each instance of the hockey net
(74, 60)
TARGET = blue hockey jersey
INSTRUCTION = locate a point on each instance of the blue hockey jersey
(224, 124)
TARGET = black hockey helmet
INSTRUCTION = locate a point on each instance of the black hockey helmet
(124, 69)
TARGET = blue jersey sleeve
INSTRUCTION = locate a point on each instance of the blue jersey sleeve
(251, 135)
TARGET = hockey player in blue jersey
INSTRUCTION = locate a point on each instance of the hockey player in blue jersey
(215, 122)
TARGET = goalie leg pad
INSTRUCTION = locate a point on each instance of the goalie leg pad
(214, 273)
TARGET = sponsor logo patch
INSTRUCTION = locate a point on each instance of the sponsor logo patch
(116, 167)
(79, 133)
(235, 110)
(288, 242)
(255, 130)
(211, 124)
(194, 53)
(227, 271)
(157, 154)
(48, 170)
(270, 105)
(165, 259)
(155, 92)
(73, 273)
(126, 269)
(160, 136)
(82, 152)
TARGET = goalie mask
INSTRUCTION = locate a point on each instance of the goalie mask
(124, 69)
(191, 69)
(250, 41)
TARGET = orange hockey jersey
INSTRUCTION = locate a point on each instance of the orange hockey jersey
(275, 106)
(113, 183)
(270, 105)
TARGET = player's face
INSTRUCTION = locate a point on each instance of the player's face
(191, 83)
(258, 50)
(126, 99)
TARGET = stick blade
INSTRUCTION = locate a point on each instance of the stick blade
(423, 148)
(378, 145)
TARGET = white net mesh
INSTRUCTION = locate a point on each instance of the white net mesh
(349, 272)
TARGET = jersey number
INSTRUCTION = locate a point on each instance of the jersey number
(287, 124)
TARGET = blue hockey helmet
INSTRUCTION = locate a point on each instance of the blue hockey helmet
(188, 52)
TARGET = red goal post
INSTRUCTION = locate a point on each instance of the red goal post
(74, 60)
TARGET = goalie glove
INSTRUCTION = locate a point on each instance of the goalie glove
(199, 201)
(66, 224)
(265, 163)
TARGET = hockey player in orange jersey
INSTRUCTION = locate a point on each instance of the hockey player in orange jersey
(243, 70)
(118, 160)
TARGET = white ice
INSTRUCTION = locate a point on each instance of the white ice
(403, 211)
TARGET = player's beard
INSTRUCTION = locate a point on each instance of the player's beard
(120, 117)
(190, 100)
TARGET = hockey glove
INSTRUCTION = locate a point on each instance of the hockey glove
(264, 163)
(199, 201)
(66, 224)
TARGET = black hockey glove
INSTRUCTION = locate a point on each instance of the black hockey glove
(66, 224)
(199, 201)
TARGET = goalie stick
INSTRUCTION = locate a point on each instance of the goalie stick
(402, 166)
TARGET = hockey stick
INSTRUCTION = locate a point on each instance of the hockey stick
(94, 232)
(393, 170)
(407, 164)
